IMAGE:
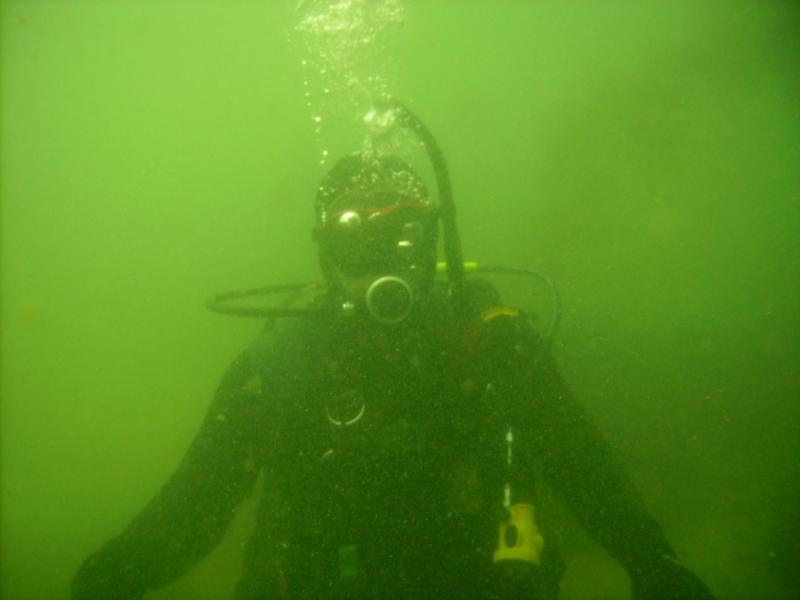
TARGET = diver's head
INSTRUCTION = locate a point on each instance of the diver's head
(376, 230)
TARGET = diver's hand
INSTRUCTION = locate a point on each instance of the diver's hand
(667, 580)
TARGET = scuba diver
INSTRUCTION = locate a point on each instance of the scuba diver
(401, 429)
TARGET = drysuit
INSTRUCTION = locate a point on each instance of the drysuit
(380, 451)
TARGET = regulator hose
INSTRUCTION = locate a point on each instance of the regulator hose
(447, 207)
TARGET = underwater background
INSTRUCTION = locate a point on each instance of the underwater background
(644, 155)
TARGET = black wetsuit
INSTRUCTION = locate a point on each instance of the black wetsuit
(381, 469)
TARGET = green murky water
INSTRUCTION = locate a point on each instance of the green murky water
(644, 155)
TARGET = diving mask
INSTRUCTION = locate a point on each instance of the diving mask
(381, 256)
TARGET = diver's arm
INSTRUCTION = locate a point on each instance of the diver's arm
(581, 466)
(187, 519)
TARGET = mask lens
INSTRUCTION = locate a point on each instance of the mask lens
(363, 242)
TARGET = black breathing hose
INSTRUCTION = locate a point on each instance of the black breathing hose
(447, 207)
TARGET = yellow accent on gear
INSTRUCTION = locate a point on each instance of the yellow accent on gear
(469, 267)
(528, 542)
(499, 311)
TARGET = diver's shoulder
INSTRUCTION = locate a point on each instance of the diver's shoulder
(281, 340)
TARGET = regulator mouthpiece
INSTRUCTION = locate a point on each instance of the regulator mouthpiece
(389, 299)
